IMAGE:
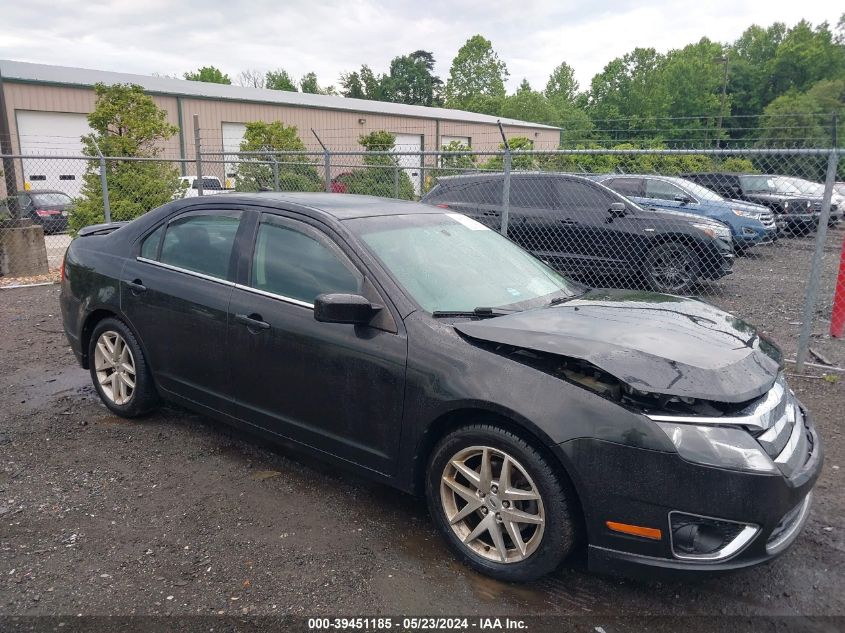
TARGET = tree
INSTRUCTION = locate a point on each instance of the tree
(279, 80)
(364, 85)
(456, 163)
(309, 84)
(296, 172)
(251, 79)
(630, 87)
(477, 77)
(562, 84)
(209, 74)
(411, 80)
(125, 122)
(377, 177)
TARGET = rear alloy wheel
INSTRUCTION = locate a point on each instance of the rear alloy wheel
(499, 504)
(672, 268)
(115, 367)
(119, 370)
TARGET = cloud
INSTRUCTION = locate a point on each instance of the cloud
(531, 36)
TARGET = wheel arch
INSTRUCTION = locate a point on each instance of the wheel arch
(92, 318)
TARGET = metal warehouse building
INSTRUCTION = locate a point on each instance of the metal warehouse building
(44, 112)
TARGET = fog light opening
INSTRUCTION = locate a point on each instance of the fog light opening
(702, 538)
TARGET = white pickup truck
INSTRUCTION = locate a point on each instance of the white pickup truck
(210, 186)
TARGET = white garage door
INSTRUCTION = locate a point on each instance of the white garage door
(52, 133)
(463, 140)
(233, 135)
(410, 163)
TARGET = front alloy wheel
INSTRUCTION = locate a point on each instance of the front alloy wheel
(492, 504)
(503, 505)
(115, 367)
(672, 268)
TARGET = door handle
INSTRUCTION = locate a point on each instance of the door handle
(252, 321)
(136, 287)
(492, 214)
(568, 221)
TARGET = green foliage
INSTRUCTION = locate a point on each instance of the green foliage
(364, 85)
(455, 164)
(125, 123)
(296, 172)
(476, 76)
(737, 164)
(377, 178)
(209, 74)
(279, 80)
(309, 84)
(562, 84)
(516, 144)
(411, 80)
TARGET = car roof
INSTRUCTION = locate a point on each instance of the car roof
(339, 206)
(515, 174)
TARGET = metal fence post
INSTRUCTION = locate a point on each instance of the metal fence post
(276, 186)
(327, 168)
(104, 184)
(506, 193)
(506, 184)
(395, 178)
(815, 268)
(198, 148)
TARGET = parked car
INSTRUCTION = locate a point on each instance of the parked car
(422, 349)
(751, 224)
(46, 207)
(210, 185)
(837, 207)
(796, 213)
(585, 229)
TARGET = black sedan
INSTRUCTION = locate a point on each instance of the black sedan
(46, 207)
(431, 353)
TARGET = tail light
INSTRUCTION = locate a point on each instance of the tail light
(443, 206)
(62, 268)
(46, 212)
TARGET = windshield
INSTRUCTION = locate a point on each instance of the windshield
(50, 199)
(771, 184)
(450, 263)
(702, 193)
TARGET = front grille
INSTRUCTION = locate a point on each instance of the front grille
(767, 219)
(785, 438)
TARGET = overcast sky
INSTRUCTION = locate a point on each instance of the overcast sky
(330, 37)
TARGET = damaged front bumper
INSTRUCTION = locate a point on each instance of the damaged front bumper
(764, 513)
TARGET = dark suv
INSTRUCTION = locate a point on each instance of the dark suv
(796, 212)
(586, 230)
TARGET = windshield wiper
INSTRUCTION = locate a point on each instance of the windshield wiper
(483, 312)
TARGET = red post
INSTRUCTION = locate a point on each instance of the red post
(837, 317)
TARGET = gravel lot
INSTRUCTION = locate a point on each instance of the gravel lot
(176, 514)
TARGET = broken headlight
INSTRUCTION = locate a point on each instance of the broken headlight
(722, 446)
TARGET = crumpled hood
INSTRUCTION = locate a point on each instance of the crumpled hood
(657, 343)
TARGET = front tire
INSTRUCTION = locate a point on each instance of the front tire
(119, 370)
(672, 268)
(499, 504)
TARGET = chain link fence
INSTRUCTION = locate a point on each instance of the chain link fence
(757, 231)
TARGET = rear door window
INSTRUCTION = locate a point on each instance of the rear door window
(296, 262)
(201, 241)
(534, 193)
(662, 190)
(626, 186)
(577, 196)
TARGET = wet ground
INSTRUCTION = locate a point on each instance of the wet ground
(176, 514)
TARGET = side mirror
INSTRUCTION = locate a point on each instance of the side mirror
(344, 308)
(617, 210)
(683, 199)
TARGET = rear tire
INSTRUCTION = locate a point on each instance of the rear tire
(672, 268)
(119, 370)
(516, 522)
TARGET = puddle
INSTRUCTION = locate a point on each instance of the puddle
(35, 389)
